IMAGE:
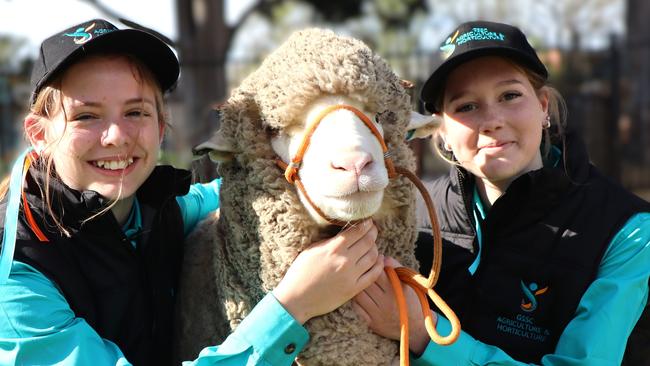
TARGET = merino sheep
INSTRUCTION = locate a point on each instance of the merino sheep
(233, 260)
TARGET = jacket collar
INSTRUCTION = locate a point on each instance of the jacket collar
(551, 180)
(73, 206)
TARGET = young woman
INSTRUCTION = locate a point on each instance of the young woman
(545, 260)
(93, 229)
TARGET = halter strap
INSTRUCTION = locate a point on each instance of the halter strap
(298, 183)
(291, 169)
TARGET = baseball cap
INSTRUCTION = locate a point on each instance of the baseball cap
(61, 50)
(474, 39)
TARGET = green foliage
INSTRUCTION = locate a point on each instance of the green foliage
(337, 11)
(398, 13)
(331, 11)
(8, 48)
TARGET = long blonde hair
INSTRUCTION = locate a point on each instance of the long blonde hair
(49, 102)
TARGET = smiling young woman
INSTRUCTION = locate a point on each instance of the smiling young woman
(100, 139)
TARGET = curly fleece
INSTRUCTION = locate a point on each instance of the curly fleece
(263, 225)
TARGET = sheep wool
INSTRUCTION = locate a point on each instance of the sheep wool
(233, 259)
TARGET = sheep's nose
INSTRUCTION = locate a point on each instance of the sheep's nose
(353, 162)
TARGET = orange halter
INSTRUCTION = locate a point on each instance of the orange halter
(422, 286)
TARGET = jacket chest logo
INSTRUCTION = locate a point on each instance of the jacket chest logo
(531, 292)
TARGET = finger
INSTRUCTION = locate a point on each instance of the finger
(383, 282)
(380, 285)
(374, 294)
(352, 234)
(392, 262)
(364, 243)
(361, 312)
(366, 301)
(372, 274)
(368, 258)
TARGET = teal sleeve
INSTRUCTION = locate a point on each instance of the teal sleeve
(37, 327)
(269, 335)
(605, 317)
(198, 203)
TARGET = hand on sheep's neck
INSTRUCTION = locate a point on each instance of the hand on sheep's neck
(330, 272)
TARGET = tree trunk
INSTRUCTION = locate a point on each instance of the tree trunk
(638, 75)
(202, 45)
(203, 42)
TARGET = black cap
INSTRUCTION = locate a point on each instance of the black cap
(474, 39)
(64, 48)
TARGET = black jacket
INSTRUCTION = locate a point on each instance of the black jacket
(542, 244)
(125, 294)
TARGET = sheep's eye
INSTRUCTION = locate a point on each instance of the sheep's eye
(377, 120)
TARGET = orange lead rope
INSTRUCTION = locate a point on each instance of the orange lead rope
(422, 286)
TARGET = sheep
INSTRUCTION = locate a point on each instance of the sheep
(234, 258)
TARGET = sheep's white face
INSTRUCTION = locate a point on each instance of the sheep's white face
(343, 168)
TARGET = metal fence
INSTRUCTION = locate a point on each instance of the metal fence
(608, 97)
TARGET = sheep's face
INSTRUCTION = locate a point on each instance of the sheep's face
(343, 169)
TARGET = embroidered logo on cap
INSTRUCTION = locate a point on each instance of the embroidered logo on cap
(83, 35)
(476, 34)
(449, 46)
(529, 304)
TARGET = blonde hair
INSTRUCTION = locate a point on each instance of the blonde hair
(4, 187)
(49, 102)
(557, 112)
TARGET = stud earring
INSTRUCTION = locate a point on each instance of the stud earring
(547, 122)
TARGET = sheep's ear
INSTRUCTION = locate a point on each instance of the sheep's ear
(218, 148)
(422, 126)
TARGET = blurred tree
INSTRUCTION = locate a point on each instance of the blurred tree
(638, 76)
(9, 46)
(575, 19)
(205, 40)
(11, 69)
(397, 14)
(554, 23)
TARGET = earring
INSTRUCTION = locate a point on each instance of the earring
(547, 122)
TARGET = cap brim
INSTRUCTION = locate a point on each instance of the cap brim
(152, 51)
(435, 82)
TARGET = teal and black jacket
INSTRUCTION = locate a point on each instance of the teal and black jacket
(125, 292)
(563, 253)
